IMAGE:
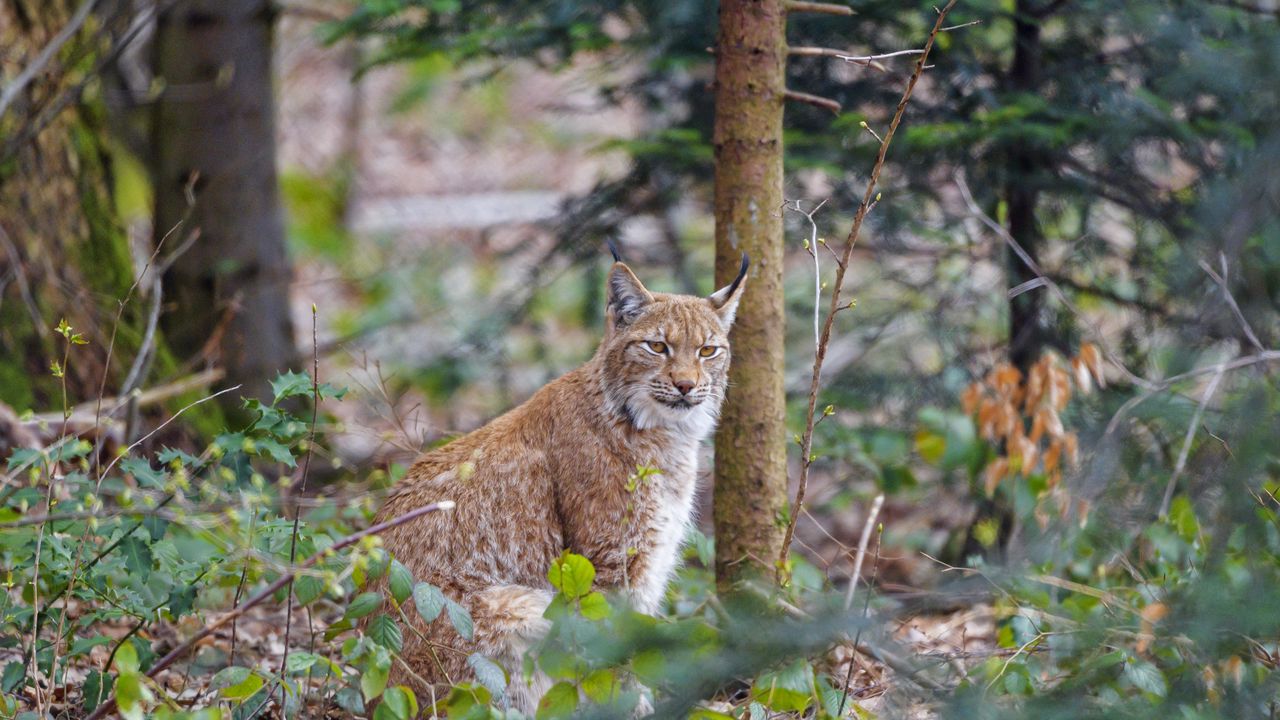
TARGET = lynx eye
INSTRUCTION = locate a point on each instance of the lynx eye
(708, 351)
(656, 347)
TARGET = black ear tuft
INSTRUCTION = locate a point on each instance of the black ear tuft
(742, 273)
(613, 250)
(725, 300)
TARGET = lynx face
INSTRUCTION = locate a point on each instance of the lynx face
(667, 356)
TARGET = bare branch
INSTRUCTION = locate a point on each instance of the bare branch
(798, 6)
(868, 200)
(817, 100)
(1221, 280)
(872, 514)
(1186, 441)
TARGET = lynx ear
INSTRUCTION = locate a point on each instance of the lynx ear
(627, 296)
(725, 300)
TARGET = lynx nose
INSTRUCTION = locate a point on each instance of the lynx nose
(684, 386)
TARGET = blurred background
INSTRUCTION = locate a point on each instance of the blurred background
(416, 196)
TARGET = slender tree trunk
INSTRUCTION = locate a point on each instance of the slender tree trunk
(1029, 331)
(751, 472)
(227, 298)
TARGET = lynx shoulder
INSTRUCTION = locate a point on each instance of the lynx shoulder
(553, 474)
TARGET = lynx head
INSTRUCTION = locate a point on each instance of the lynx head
(666, 357)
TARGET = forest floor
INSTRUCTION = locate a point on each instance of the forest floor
(957, 641)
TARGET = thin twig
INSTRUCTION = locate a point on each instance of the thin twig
(265, 593)
(1246, 361)
(165, 424)
(1230, 299)
(857, 638)
(872, 514)
(817, 271)
(1181, 464)
(867, 200)
(302, 488)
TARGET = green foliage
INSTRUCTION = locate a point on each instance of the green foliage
(132, 541)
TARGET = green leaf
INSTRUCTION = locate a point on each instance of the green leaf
(349, 699)
(789, 690)
(594, 606)
(467, 700)
(373, 681)
(244, 689)
(300, 661)
(384, 631)
(137, 557)
(131, 694)
(400, 702)
(601, 686)
(363, 604)
(229, 677)
(488, 673)
(931, 446)
(307, 589)
(97, 688)
(14, 673)
(155, 526)
(1183, 517)
(429, 601)
(126, 660)
(558, 702)
(460, 618)
(79, 646)
(265, 447)
(142, 471)
(181, 600)
(290, 384)
(1146, 677)
(572, 575)
(400, 581)
(168, 455)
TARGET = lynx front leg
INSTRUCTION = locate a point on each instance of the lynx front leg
(509, 621)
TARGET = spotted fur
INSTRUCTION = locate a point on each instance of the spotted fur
(553, 474)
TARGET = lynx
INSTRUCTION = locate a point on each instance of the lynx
(552, 475)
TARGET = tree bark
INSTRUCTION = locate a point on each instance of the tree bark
(1029, 330)
(227, 297)
(751, 472)
(64, 253)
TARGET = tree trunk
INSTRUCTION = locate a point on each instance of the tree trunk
(63, 251)
(751, 471)
(228, 296)
(1029, 331)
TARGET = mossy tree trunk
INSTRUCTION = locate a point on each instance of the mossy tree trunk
(751, 471)
(63, 251)
(228, 296)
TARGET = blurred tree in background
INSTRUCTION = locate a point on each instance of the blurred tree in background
(213, 126)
